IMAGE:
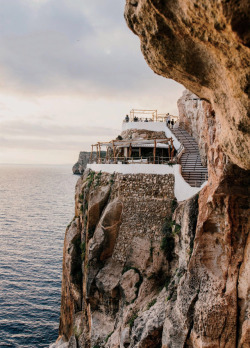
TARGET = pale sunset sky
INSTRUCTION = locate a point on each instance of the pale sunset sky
(70, 71)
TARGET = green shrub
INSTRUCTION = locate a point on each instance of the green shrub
(174, 205)
(151, 303)
(132, 319)
(107, 338)
(98, 179)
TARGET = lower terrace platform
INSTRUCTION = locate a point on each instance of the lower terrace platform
(182, 189)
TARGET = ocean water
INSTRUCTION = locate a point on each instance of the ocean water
(36, 205)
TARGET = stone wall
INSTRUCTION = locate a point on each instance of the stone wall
(146, 202)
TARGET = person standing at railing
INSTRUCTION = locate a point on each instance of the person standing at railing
(127, 118)
(172, 123)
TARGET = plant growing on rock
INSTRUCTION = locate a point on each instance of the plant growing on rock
(132, 319)
(151, 303)
(90, 178)
(98, 179)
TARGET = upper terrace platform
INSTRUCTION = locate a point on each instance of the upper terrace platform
(152, 121)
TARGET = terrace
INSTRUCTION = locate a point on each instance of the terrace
(164, 155)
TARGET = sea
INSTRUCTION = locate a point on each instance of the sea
(36, 205)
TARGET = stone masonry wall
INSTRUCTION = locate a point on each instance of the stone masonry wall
(146, 202)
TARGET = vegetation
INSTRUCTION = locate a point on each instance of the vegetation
(111, 181)
(90, 178)
(174, 205)
(98, 179)
(169, 230)
(132, 319)
(151, 303)
(83, 250)
(107, 338)
(76, 332)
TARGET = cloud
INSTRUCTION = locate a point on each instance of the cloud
(64, 46)
(66, 63)
(24, 128)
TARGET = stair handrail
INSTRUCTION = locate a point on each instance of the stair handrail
(180, 152)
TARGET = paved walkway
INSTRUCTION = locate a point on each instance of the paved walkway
(191, 168)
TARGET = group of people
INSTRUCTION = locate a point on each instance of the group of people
(170, 122)
(136, 119)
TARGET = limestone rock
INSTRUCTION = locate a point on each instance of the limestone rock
(128, 284)
(81, 164)
(203, 45)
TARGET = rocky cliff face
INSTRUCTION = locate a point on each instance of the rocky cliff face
(198, 44)
(139, 270)
(119, 260)
(79, 167)
(204, 45)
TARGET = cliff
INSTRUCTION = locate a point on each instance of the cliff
(204, 45)
(139, 269)
(79, 167)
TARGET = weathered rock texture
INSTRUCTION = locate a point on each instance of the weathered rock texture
(79, 167)
(142, 134)
(152, 274)
(204, 45)
(115, 273)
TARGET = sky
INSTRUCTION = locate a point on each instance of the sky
(70, 71)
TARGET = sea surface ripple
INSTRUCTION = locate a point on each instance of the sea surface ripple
(37, 203)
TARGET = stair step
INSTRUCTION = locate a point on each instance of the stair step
(192, 169)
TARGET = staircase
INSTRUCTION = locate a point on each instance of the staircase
(191, 168)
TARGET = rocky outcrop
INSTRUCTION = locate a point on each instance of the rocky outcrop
(135, 134)
(79, 167)
(117, 265)
(205, 46)
(153, 273)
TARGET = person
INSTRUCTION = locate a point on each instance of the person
(168, 123)
(127, 118)
(172, 123)
(167, 119)
(146, 120)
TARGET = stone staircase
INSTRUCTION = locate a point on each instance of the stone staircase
(192, 169)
